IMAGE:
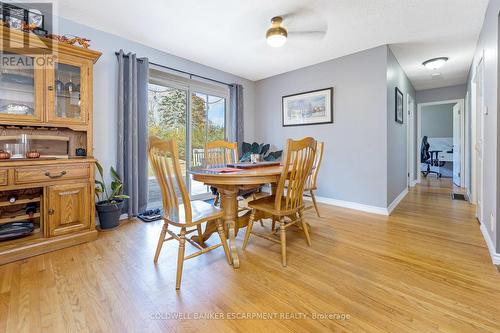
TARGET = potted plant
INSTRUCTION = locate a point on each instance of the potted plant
(260, 150)
(109, 202)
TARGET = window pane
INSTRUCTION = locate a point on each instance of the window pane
(167, 114)
(198, 137)
(216, 115)
(198, 127)
(207, 124)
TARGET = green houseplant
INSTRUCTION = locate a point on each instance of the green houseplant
(262, 149)
(109, 201)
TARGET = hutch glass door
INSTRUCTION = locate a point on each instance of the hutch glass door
(68, 91)
(21, 87)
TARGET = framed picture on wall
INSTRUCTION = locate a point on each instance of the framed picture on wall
(308, 108)
(399, 109)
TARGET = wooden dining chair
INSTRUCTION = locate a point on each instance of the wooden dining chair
(221, 152)
(188, 215)
(217, 153)
(311, 179)
(286, 206)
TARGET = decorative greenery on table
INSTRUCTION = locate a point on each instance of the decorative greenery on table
(248, 149)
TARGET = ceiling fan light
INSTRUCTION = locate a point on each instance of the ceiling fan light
(276, 40)
(276, 35)
(435, 63)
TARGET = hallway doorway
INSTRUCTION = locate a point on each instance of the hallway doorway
(441, 141)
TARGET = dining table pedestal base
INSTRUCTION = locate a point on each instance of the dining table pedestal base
(232, 222)
(229, 185)
(229, 203)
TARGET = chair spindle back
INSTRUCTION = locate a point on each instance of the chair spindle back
(311, 180)
(221, 152)
(164, 159)
(297, 167)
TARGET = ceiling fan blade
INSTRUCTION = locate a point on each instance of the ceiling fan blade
(297, 13)
(318, 34)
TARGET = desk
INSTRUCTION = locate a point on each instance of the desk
(445, 146)
(229, 184)
(444, 156)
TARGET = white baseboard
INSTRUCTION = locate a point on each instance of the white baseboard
(495, 257)
(414, 182)
(396, 201)
(352, 205)
(362, 207)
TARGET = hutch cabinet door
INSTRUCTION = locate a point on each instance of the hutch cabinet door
(69, 89)
(68, 208)
(21, 87)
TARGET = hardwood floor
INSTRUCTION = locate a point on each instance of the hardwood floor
(424, 269)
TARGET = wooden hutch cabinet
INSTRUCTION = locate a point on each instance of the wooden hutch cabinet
(45, 107)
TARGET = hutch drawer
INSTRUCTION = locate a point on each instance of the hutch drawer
(25, 175)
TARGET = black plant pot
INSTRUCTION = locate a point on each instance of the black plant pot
(109, 214)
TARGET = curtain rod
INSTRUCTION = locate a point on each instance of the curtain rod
(181, 71)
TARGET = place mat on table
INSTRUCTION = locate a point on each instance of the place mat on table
(248, 165)
(224, 170)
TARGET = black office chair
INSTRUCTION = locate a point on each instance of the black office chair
(429, 157)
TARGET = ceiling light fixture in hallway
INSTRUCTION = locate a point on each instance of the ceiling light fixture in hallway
(435, 63)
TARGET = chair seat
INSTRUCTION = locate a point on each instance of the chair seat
(266, 204)
(200, 212)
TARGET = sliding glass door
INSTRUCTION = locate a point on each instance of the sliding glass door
(208, 112)
(167, 119)
(191, 122)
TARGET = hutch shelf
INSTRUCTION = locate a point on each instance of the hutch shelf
(45, 107)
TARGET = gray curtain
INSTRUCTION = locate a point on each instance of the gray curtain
(235, 132)
(132, 162)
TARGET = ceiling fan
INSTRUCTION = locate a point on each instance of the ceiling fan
(277, 34)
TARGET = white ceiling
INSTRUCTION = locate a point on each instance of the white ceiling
(229, 34)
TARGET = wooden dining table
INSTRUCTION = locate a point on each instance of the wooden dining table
(229, 183)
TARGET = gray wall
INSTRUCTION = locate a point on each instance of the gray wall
(437, 121)
(441, 94)
(355, 159)
(397, 155)
(488, 46)
(105, 89)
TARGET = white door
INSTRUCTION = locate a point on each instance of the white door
(457, 139)
(478, 147)
(409, 153)
(479, 164)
